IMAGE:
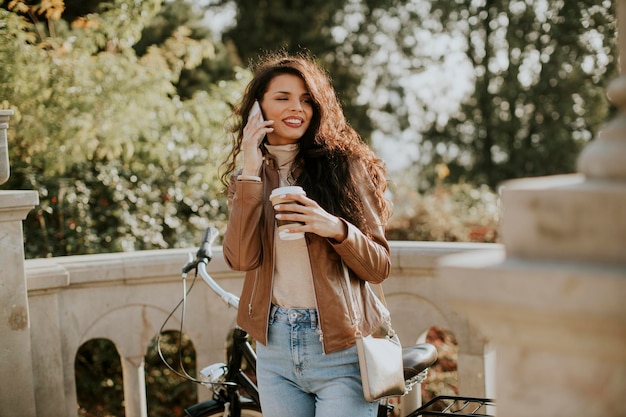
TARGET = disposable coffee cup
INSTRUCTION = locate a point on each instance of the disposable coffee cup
(278, 197)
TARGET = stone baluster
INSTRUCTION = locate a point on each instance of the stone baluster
(4, 147)
(135, 387)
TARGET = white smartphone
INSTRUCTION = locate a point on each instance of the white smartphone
(256, 108)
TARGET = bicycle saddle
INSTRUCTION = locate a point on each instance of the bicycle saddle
(416, 359)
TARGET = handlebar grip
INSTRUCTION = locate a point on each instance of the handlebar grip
(204, 251)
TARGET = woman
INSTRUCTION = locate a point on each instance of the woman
(294, 299)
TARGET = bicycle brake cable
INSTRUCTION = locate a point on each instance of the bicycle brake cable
(183, 373)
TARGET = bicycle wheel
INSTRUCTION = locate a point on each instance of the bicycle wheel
(214, 409)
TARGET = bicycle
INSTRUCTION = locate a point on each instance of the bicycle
(235, 393)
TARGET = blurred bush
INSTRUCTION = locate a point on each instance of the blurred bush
(448, 212)
(120, 161)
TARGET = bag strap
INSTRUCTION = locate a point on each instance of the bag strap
(346, 275)
(356, 314)
(381, 295)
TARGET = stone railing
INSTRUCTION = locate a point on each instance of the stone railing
(125, 297)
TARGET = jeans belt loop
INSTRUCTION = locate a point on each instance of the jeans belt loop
(273, 310)
(313, 314)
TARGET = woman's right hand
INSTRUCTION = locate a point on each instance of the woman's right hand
(253, 133)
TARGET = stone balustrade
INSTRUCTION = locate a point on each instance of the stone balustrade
(5, 170)
(125, 297)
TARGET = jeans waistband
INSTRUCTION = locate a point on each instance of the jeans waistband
(294, 315)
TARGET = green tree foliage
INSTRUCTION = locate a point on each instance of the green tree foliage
(541, 70)
(216, 63)
(98, 370)
(168, 394)
(119, 105)
(120, 160)
(530, 76)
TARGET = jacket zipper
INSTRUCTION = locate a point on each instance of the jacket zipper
(272, 225)
(256, 278)
(256, 284)
(352, 311)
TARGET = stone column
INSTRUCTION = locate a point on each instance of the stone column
(17, 392)
(135, 387)
(5, 171)
(553, 300)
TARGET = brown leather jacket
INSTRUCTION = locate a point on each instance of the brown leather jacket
(249, 246)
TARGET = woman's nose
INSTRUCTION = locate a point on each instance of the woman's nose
(296, 105)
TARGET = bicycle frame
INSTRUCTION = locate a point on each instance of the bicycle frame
(243, 350)
(456, 405)
(226, 388)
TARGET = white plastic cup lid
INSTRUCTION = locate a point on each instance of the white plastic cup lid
(292, 189)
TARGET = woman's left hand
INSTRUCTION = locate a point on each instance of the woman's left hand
(314, 218)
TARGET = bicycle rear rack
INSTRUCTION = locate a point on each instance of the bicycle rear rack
(445, 405)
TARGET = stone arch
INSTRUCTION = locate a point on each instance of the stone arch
(142, 323)
(415, 312)
(412, 315)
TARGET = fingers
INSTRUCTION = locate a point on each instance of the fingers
(314, 218)
(303, 201)
(256, 129)
(253, 134)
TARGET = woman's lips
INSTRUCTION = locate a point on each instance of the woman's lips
(293, 121)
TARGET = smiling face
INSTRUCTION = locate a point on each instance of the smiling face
(288, 103)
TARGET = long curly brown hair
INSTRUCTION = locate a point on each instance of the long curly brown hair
(326, 149)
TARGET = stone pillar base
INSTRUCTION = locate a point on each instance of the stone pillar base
(559, 330)
(15, 342)
(565, 217)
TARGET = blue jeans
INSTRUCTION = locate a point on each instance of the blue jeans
(295, 377)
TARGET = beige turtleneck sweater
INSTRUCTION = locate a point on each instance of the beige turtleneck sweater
(293, 280)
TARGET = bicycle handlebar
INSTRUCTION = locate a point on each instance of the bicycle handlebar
(204, 251)
(203, 257)
(229, 298)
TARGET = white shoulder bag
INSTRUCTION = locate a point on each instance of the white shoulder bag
(380, 358)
